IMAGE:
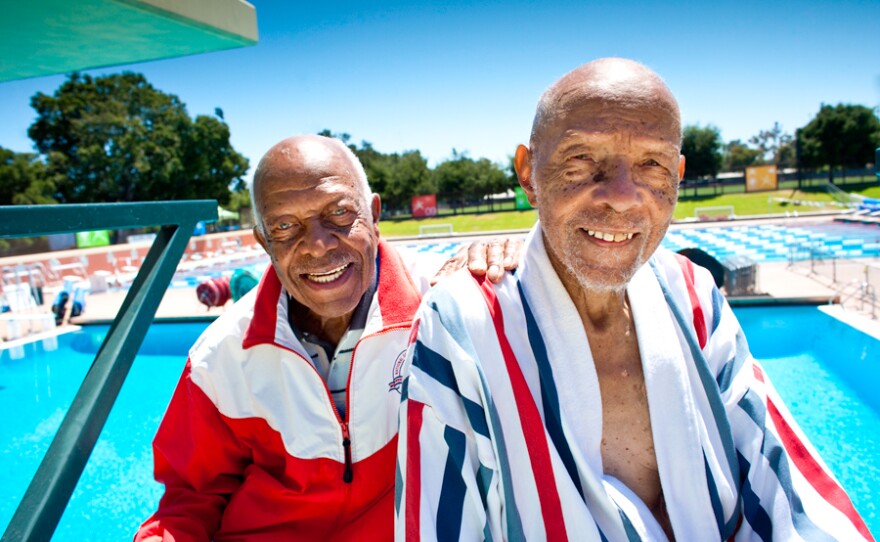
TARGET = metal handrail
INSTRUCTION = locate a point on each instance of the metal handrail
(869, 294)
(865, 292)
(44, 502)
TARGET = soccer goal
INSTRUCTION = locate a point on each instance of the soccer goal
(721, 212)
(435, 230)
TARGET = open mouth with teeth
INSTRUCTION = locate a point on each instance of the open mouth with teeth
(610, 237)
(328, 276)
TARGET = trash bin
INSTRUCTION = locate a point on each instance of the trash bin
(739, 275)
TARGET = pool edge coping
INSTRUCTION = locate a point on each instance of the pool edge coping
(853, 319)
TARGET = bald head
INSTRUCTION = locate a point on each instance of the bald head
(616, 81)
(303, 157)
(603, 169)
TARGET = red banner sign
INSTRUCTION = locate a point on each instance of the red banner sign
(423, 206)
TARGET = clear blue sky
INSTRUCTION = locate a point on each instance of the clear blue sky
(467, 75)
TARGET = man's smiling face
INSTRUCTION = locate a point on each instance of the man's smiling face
(318, 224)
(603, 171)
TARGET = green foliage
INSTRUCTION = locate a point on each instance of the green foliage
(841, 135)
(22, 180)
(409, 177)
(399, 177)
(117, 138)
(239, 199)
(774, 146)
(737, 156)
(702, 150)
(464, 178)
(395, 177)
(786, 154)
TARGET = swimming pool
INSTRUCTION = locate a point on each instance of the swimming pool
(117, 489)
(774, 242)
(827, 372)
(825, 375)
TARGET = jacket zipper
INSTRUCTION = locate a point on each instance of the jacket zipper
(348, 473)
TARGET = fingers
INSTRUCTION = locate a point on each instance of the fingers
(512, 253)
(495, 260)
(492, 258)
(451, 265)
(476, 258)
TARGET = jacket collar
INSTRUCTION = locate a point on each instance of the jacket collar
(396, 294)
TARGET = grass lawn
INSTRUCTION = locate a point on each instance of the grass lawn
(870, 192)
(760, 203)
(744, 205)
(506, 220)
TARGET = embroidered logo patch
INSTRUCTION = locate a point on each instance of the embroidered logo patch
(396, 378)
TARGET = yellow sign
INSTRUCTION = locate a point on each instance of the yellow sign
(760, 178)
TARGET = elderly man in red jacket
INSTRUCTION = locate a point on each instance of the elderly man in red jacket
(284, 423)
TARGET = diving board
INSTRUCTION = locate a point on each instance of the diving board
(45, 37)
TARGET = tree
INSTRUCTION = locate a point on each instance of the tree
(786, 154)
(409, 177)
(774, 146)
(395, 177)
(464, 178)
(737, 156)
(488, 178)
(117, 138)
(399, 177)
(22, 180)
(702, 149)
(843, 135)
(209, 160)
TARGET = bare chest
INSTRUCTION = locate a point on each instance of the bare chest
(627, 440)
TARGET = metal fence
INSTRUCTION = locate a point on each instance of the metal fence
(791, 180)
(856, 281)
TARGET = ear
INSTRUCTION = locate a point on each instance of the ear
(681, 161)
(376, 209)
(522, 163)
(258, 235)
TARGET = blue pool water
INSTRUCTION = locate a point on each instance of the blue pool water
(117, 490)
(821, 367)
(774, 242)
(827, 372)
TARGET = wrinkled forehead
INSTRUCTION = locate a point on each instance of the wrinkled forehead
(317, 156)
(305, 157)
(608, 89)
(306, 165)
(610, 125)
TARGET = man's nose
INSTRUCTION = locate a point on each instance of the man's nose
(617, 188)
(317, 240)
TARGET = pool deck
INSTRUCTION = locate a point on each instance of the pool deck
(774, 280)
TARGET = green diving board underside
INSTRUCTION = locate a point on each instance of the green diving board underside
(47, 496)
(45, 37)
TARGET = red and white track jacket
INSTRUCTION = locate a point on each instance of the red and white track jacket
(251, 446)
